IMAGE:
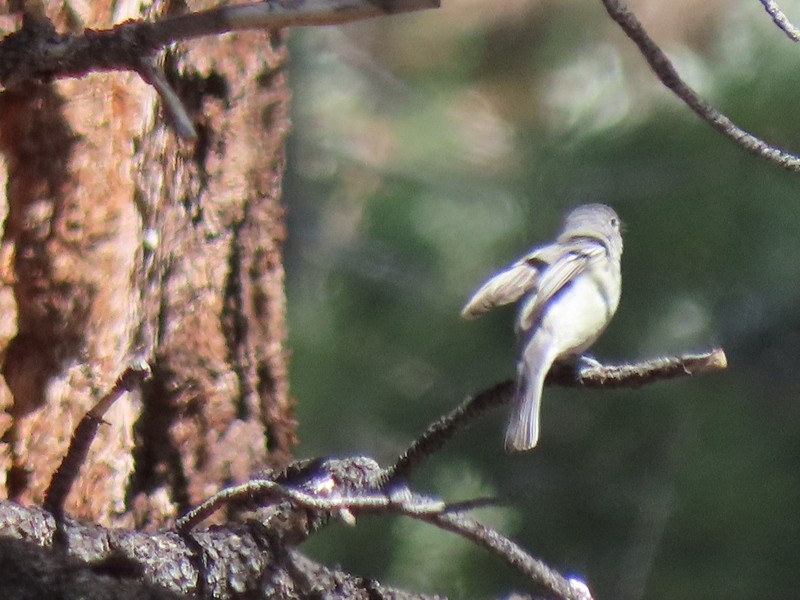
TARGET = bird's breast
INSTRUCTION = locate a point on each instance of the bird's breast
(577, 316)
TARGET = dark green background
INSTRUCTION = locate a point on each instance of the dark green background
(430, 150)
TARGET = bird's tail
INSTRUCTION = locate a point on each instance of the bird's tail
(522, 432)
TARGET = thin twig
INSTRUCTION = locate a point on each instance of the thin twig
(666, 72)
(214, 503)
(66, 474)
(173, 106)
(446, 427)
(781, 20)
(501, 546)
(570, 375)
(477, 503)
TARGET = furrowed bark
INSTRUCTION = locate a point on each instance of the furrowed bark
(122, 241)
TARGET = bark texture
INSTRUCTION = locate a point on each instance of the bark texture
(241, 562)
(121, 241)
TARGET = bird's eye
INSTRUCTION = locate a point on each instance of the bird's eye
(615, 222)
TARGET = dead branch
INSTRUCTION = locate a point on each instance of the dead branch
(67, 472)
(515, 556)
(38, 53)
(323, 490)
(317, 485)
(272, 15)
(666, 72)
(637, 374)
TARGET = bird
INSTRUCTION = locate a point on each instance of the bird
(568, 291)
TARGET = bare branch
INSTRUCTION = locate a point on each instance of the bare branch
(446, 427)
(67, 472)
(37, 51)
(638, 374)
(312, 484)
(565, 374)
(781, 20)
(273, 15)
(666, 72)
(536, 570)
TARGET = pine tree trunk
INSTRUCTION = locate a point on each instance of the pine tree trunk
(122, 241)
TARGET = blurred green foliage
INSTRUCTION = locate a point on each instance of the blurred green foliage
(430, 150)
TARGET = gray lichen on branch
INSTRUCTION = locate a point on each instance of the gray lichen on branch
(781, 20)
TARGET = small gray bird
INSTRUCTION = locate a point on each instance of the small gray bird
(570, 290)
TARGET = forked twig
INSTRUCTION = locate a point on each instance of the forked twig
(346, 501)
(357, 485)
(266, 492)
(313, 487)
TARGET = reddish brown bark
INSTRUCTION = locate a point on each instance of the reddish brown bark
(122, 241)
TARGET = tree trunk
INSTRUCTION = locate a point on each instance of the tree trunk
(121, 241)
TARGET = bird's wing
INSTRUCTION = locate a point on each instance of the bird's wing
(510, 284)
(573, 259)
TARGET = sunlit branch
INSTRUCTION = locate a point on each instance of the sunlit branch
(781, 20)
(636, 374)
(266, 492)
(666, 72)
